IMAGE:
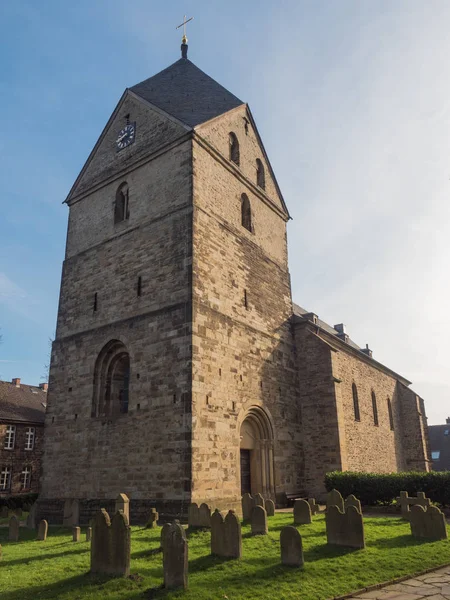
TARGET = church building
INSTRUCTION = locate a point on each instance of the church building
(181, 370)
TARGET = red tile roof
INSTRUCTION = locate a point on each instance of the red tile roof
(26, 403)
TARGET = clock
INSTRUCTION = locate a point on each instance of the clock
(126, 136)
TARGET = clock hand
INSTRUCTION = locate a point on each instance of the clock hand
(119, 139)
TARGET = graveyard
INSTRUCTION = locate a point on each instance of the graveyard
(59, 567)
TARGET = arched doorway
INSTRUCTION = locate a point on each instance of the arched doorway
(256, 454)
(111, 380)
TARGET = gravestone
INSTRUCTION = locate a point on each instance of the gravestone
(352, 501)
(4, 512)
(226, 536)
(13, 534)
(88, 534)
(269, 505)
(259, 521)
(175, 556)
(233, 536)
(152, 521)
(334, 498)
(258, 500)
(427, 523)
(313, 506)
(204, 515)
(42, 530)
(406, 501)
(291, 547)
(31, 519)
(123, 503)
(345, 528)
(18, 512)
(76, 532)
(111, 544)
(247, 506)
(302, 512)
(217, 533)
(71, 513)
(193, 516)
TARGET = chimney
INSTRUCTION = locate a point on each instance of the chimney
(16, 381)
(340, 328)
(447, 420)
(367, 351)
(43, 386)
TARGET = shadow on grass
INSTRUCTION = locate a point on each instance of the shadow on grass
(401, 541)
(54, 590)
(27, 560)
(147, 553)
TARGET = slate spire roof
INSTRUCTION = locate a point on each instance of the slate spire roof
(187, 93)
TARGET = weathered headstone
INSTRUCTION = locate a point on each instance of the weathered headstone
(13, 534)
(259, 521)
(31, 519)
(88, 534)
(334, 498)
(233, 536)
(217, 533)
(4, 512)
(175, 556)
(18, 512)
(406, 501)
(313, 505)
(269, 505)
(352, 501)
(111, 544)
(76, 532)
(291, 547)
(152, 521)
(258, 500)
(247, 506)
(345, 528)
(123, 504)
(302, 512)
(427, 523)
(42, 530)
(193, 516)
(204, 515)
(71, 512)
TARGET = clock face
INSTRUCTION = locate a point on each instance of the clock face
(126, 136)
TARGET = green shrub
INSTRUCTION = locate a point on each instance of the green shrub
(383, 488)
(24, 501)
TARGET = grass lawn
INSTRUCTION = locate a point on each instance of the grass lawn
(58, 567)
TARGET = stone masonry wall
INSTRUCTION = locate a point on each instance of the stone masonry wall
(322, 436)
(243, 353)
(415, 431)
(19, 457)
(146, 452)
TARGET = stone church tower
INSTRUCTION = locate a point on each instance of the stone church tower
(181, 371)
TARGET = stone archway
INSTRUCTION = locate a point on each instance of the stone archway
(256, 453)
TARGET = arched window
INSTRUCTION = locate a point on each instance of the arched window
(391, 416)
(111, 380)
(356, 403)
(246, 212)
(375, 409)
(121, 208)
(260, 175)
(234, 148)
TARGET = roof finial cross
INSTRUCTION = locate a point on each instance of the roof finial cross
(183, 25)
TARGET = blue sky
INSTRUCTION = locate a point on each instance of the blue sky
(352, 101)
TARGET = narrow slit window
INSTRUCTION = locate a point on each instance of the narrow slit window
(260, 175)
(234, 148)
(95, 302)
(121, 207)
(375, 409)
(246, 213)
(139, 286)
(391, 416)
(356, 403)
(245, 304)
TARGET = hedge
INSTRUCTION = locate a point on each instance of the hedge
(383, 488)
(24, 501)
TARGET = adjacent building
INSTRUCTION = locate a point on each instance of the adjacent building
(181, 370)
(439, 436)
(22, 415)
